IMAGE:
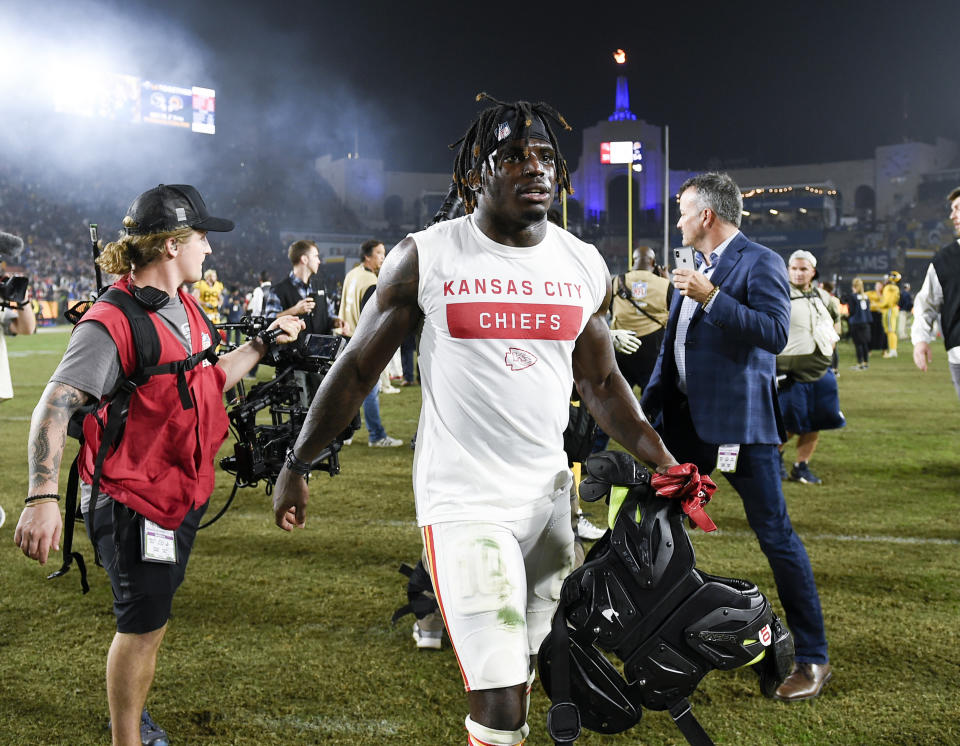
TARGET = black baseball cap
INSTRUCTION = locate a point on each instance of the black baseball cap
(171, 206)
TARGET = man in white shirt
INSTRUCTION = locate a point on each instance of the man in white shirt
(939, 298)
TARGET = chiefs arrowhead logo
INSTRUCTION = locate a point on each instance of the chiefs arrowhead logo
(517, 359)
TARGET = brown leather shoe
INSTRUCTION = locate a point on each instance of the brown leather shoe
(806, 681)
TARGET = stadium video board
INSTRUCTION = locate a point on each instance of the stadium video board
(621, 152)
(131, 99)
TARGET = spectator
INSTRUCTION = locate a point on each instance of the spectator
(714, 384)
(889, 307)
(358, 288)
(860, 322)
(296, 296)
(906, 310)
(209, 291)
(256, 305)
(15, 322)
(878, 338)
(233, 311)
(939, 297)
(640, 304)
(807, 385)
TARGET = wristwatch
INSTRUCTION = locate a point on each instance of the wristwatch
(296, 465)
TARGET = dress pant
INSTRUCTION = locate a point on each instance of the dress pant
(638, 367)
(757, 481)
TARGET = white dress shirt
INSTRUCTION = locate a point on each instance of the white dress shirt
(926, 313)
(687, 309)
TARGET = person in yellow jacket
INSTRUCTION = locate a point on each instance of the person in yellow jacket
(209, 291)
(889, 306)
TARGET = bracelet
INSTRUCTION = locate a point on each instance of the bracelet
(36, 499)
(41, 501)
(296, 465)
(713, 294)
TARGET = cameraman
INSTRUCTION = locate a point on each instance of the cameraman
(295, 296)
(13, 321)
(158, 478)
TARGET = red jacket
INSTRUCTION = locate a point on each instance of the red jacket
(163, 466)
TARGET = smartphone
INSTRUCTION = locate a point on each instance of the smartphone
(683, 258)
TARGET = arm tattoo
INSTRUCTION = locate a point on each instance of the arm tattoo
(48, 431)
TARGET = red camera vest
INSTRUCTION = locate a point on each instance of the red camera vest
(163, 464)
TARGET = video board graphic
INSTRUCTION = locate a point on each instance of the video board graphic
(127, 98)
(166, 104)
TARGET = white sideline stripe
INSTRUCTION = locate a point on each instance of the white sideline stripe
(28, 353)
(852, 537)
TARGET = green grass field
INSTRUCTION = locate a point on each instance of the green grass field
(285, 639)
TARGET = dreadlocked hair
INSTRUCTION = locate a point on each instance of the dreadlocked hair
(480, 140)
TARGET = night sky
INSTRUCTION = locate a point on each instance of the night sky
(738, 83)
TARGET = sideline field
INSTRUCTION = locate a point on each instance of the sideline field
(283, 639)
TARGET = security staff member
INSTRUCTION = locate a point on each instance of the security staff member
(641, 305)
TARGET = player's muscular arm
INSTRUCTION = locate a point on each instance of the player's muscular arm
(608, 396)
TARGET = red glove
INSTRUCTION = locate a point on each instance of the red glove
(685, 482)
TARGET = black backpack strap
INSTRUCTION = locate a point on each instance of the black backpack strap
(146, 345)
(70, 522)
(692, 730)
(146, 341)
(563, 717)
(180, 368)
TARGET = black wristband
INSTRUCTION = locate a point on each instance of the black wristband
(296, 465)
(34, 498)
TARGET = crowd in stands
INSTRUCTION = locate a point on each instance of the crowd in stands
(52, 215)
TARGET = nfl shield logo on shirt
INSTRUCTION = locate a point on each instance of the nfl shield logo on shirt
(639, 289)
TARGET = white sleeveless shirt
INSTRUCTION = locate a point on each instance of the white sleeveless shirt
(500, 324)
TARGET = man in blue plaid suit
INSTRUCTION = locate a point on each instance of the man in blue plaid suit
(714, 390)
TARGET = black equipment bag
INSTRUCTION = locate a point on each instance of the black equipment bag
(640, 600)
